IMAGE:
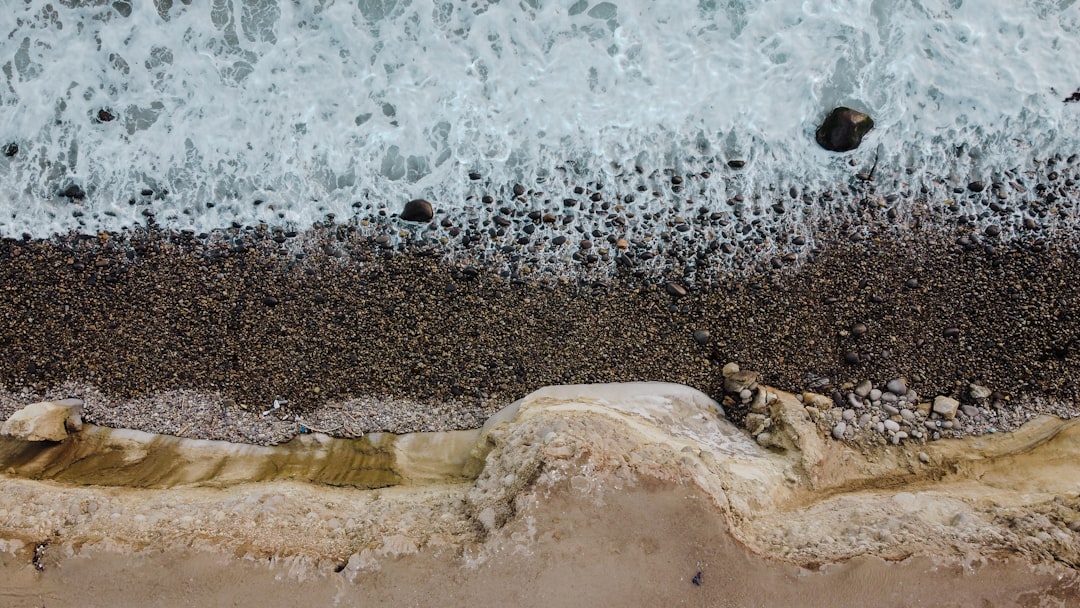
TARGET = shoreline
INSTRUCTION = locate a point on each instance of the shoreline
(418, 341)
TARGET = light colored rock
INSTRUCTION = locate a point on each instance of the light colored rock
(897, 386)
(45, 421)
(875, 394)
(838, 430)
(821, 402)
(979, 393)
(864, 388)
(891, 426)
(738, 381)
(946, 406)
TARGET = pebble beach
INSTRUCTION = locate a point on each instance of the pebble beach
(256, 333)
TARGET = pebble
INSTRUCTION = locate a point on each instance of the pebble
(701, 336)
(864, 388)
(875, 394)
(838, 430)
(848, 415)
(891, 425)
(978, 393)
(890, 409)
(851, 357)
(675, 289)
(854, 400)
(897, 386)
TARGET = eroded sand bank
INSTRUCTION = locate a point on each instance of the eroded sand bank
(575, 495)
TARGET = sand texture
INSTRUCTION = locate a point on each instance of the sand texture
(577, 495)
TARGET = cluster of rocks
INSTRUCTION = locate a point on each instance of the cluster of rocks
(865, 413)
(896, 412)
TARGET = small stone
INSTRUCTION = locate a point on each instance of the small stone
(739, 381)
(977, 186)
(912, 283)
(736, 164)
(969, 410)
(11, 149)
(821, 402)
(897, 386)
(730, 368)
(875, 394)
(946, 406)
(270, 301)
(838, 430)
(418, 210)
(745, 394)
(851, 357)
(891, 425)
(675, 289)
(890, 409)
(701, 336)
(978, 393)
(924, 458)
(848, 415)
(854, 401)
(858, 329)
(951, 332)
(864, 388)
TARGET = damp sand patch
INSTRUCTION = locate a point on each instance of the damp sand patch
(619, 491)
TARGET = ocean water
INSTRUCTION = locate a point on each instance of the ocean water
(313, 106)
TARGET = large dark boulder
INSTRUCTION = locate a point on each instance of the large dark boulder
(843, 129)
(418, 210)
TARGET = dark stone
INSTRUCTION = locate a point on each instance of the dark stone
(11, 149)
(736, 164)
(519, 189)
(418, 210)
(858, 329)
(951, 332)
(977, 186)
(912, 283)
(676, 290)
(843, 129)
(992, 230)
(74, 192)
(851, 357)
(701, 336)
(270, 301)
(104, 115)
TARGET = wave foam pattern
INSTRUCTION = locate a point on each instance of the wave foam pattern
(311, 106)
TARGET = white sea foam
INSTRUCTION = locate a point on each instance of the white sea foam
(312, 106)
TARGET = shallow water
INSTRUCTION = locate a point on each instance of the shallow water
(311, 107)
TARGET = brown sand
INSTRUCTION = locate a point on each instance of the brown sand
(603, 495)
(640, 548)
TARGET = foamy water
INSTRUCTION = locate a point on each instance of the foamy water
(313, 106)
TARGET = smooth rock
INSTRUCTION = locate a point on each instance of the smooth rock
(45, 421)
(838, 430)
(896, 386)
(946, 406)
(417, 210)
(864, 388)
(701, 336)
(891, 425)
(875, 394)
(969, 410)
(843, 129)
